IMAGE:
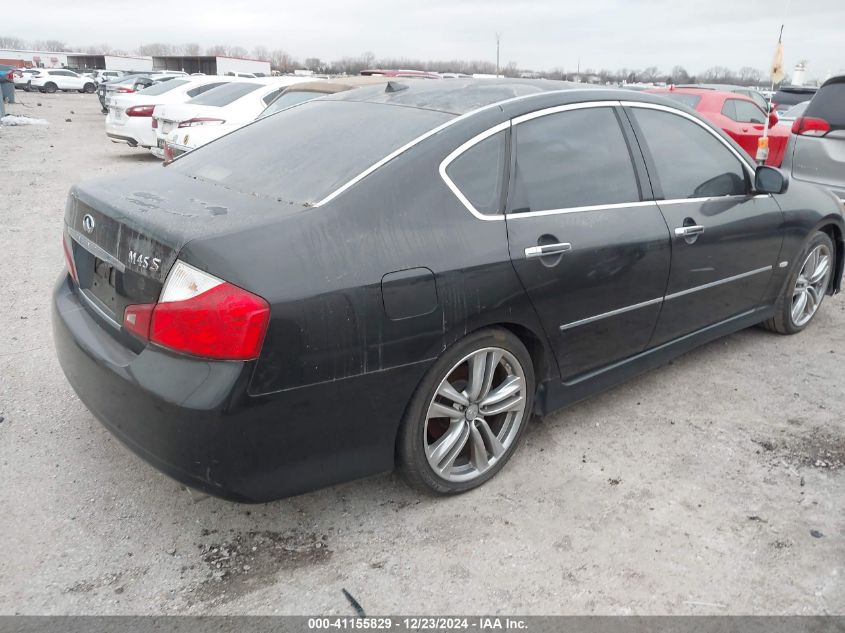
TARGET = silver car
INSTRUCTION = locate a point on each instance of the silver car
(816, 148)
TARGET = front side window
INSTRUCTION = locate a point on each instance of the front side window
(689, 161)
(479, 171)
(193, 92)
(572, 159)
(160, 89)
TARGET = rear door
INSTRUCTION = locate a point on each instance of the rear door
(725, 240)
(819, 145)
(589, 247)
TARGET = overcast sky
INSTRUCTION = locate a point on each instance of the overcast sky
(537, 34)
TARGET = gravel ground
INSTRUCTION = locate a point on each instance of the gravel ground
(710, 486)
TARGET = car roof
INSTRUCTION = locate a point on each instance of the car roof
(723, 87)
(798, 89)
(338, 84)
(456, 96)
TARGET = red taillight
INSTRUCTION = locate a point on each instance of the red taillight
(810, 126)
(67, 246)
(155, 123)
(136, 319)
(125, 89)
(201, 315)
(168, 153)
(201, 120)
(144, 110)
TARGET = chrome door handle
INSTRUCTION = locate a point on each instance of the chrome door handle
(547, 249)
(689, 231)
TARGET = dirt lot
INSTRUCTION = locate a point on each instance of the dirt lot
(713, 485)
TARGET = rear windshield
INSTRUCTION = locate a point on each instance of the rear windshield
(224, 95)
(690, 100)
(791, 98)
(161, 88)
(829, 104)
(303, 154)
(288, 99)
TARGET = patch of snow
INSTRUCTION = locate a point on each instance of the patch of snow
(18, 119)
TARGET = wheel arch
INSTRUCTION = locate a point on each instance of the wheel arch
(834, 232)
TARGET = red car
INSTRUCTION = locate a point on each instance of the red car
(739, 116)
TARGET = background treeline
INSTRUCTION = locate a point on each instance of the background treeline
(284, 62)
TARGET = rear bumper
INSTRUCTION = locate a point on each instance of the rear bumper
(193, 419)
(132, 131)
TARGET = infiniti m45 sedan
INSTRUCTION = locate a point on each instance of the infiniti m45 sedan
(402, 275)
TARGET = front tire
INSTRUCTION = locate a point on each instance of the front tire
(89, 88)
(806, 287)
(468, 414)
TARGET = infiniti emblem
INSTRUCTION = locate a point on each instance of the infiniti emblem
(88, 223)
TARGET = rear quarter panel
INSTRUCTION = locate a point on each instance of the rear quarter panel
(321, 270)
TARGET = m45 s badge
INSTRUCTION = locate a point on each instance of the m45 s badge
(144, 262)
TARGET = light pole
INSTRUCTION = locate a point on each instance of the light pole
(498, 38)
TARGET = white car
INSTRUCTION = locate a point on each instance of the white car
(185, 126)
(50, 80)
(104, 75)
(129, 119)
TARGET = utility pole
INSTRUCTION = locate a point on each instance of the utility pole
(498, 38)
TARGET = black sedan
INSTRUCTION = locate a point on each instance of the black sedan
(404, 274)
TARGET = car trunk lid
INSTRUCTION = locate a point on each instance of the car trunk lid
(126, 233)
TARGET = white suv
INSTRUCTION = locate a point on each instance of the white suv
(49, 80)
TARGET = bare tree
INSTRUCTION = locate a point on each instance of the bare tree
(679, 75)
(155, 49)
(749, 76)
(191, 49)
(217, 50)
(237, 51)
(282, 61)
(314, 64)
(261, 52)
(9, 41)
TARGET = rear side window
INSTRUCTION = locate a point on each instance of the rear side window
(289, 99)
(224, 95)
(572, 159)
(303, 154)
(747, 112)
(686, 99)
(478, 173)
(271, 95)
(193, 92)
(158, 89)
(829, 104)
(690, 162)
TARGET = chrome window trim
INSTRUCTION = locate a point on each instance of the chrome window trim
(656, 106)
(674, 295)
(444, 165)
(595, 207)
(426, 135)
(525, 117)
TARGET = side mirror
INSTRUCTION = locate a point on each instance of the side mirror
(773, 119)
(770, 180)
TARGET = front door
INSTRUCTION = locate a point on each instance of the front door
(725, 240)
(591, 253)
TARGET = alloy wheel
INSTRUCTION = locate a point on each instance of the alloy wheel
(811, 285)
(475, 414)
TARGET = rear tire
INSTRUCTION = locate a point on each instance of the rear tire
(468, 414)
(50, 87)
(805, 288)
(89, 88)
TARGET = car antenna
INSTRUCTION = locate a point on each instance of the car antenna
(395, 86)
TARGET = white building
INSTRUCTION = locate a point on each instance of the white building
(33, 59)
